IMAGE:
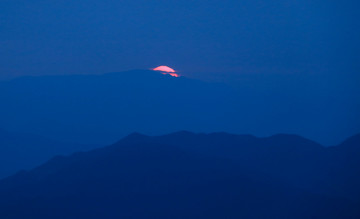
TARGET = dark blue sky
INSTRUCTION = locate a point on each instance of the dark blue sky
(219, 39)
(301, 57)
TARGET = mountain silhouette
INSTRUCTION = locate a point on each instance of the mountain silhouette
(20, 151)
(98, 109)
(189, 175)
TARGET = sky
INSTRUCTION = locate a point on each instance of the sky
(305, 51)
(210, 40)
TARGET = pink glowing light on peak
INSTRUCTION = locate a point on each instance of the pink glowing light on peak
(166, 70)
(172, 74)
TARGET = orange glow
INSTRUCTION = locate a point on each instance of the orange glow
(172, 74)
(166, 70)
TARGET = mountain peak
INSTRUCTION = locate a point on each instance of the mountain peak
(187, 169)
(136, 135)
(133, 138)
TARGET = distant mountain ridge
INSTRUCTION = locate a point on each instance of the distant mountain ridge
(98, 109)
(20, 151)
(188, 175)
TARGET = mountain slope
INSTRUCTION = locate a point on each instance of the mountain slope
(182, 175)
(25, 151)
(97, 109)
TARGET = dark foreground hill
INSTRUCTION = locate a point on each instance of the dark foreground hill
(186, 175)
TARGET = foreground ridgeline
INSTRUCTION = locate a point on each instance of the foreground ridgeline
(187, 175)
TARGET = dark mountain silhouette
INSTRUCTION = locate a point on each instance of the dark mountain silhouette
(25, 151)
(97, 109)
(187, 175)
(352, 143)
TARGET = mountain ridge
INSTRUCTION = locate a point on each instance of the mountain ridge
(98, 109)
(223, 175)
(26, 151)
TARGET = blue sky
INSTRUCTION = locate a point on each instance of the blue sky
(203, 39)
